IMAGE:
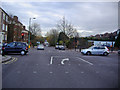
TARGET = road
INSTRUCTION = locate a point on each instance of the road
(52, 68)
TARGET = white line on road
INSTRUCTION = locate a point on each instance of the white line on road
(66, 72)
(66, 59)
(51, 61)
(50, 72)
(85, 61)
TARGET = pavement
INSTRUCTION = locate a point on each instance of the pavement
(51, 68)
(6, 58)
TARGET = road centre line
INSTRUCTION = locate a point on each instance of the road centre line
(51, 61)
(85, 61)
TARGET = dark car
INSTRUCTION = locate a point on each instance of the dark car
(15, 47)
(119, 52)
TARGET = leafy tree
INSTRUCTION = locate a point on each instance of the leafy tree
(117, 41)
(63, 37)
(52, 37)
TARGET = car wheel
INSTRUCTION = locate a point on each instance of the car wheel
(22, 52)
(105, 53)
(88, 53)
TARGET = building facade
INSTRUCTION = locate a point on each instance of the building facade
(25, 35)
(11, 28)
(3, 24)
(15, 30)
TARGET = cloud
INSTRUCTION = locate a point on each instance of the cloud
(88, 17)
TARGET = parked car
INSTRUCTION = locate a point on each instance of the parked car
(61, 47)
(119, 52)
(40, 47)
(56, 46)
(15, 47)
(101, 50)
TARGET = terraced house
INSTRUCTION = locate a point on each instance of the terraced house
(3, 25)
(11, 28)
(15, 29)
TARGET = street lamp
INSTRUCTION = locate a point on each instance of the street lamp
(29, 31)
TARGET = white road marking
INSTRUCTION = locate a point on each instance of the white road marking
(66, 72)
(85, 61)
(66, 59)
(51, 61)
(34, 72)
(51, 72)
(82, 72)
(69, 64)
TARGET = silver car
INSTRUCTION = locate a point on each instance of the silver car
(40, 47)
(101, 50)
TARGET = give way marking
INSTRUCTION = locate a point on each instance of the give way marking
(62, 61)
(67, 59)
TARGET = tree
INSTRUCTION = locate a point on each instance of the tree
(117, 41)
(66, 28)
(35, 29)
(63, 37)
(52, 36)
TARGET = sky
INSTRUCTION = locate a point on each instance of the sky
(89, 18)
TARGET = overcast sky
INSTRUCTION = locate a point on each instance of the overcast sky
(89, 18)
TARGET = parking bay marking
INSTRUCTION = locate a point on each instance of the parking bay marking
(85, 61)
(67, 59)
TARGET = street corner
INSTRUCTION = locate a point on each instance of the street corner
(8, 59)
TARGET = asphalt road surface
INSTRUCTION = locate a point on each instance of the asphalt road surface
(51, 68)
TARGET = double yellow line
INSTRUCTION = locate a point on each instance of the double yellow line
(11, 61)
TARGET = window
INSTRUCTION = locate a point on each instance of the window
(3, 16)
(3, 27)
(5, 37)
(95, 48)
(6, 27)
(6, 18)
(11, 44)
(19, 44)
(102, 47)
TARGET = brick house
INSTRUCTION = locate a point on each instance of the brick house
(25, 33)
(4, 24)
(15, 29)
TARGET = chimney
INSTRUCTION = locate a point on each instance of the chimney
(15, 18)
(23, 27)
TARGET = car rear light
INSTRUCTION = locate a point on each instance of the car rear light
(3, 48)
(108, 49)
(26, 48)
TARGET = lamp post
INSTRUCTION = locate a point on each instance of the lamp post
(29, 32)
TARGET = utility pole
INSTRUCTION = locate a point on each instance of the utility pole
(29, 31)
